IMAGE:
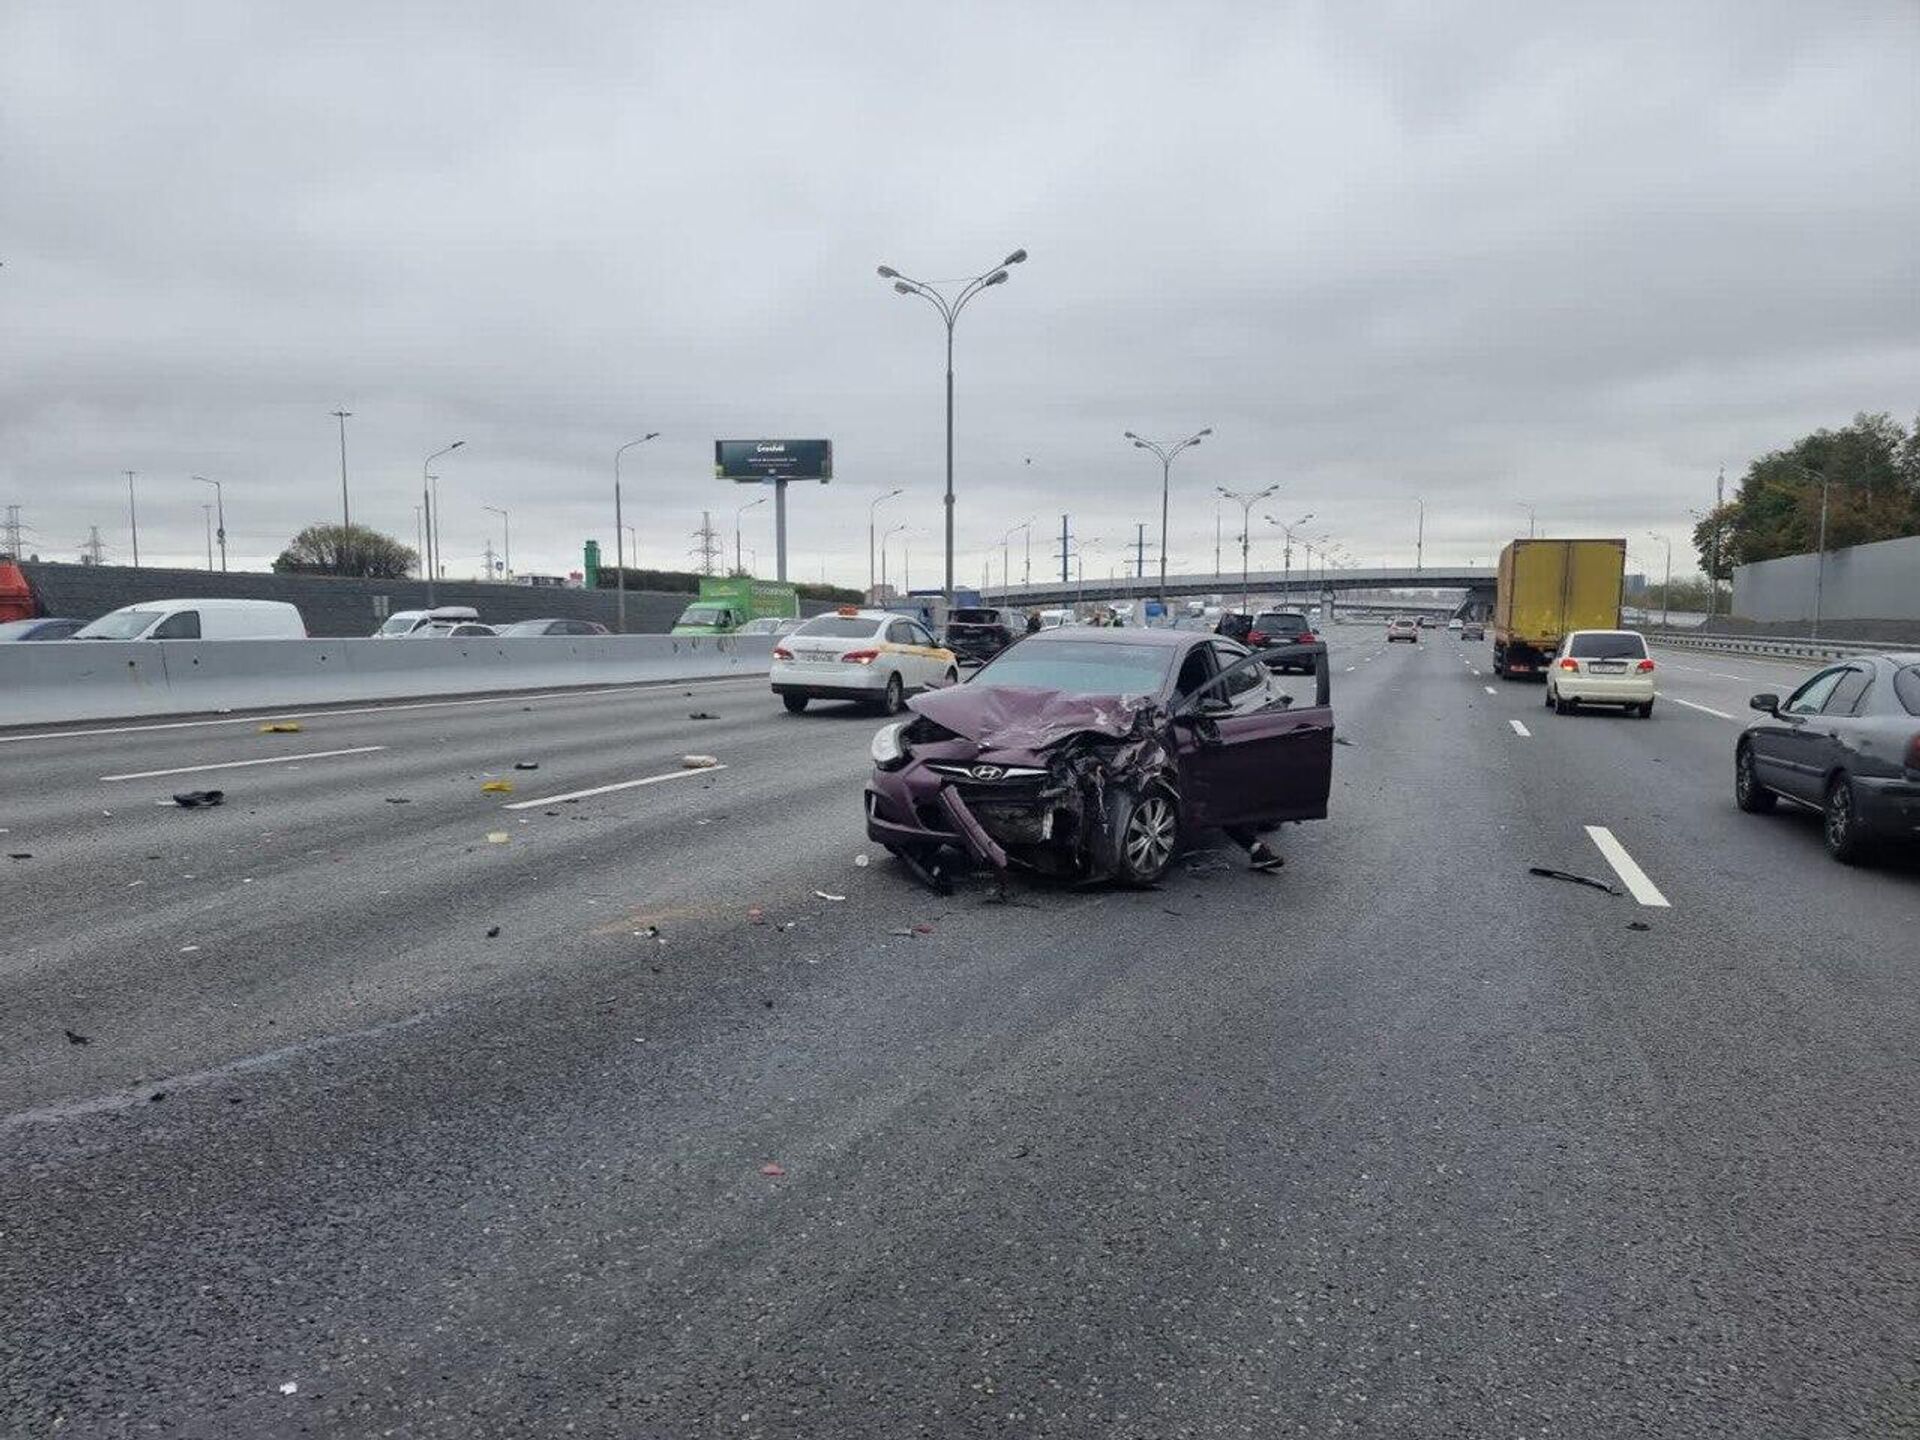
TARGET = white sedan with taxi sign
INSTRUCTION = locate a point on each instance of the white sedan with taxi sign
(876, 656)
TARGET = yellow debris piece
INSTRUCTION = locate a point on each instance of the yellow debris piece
(281, 727)
(498, 787)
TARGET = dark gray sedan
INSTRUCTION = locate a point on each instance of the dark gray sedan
(1846, 743)
(44, 628)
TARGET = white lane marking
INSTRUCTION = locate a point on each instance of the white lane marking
(522, 697)
(1519, 729)
(1349, 669)
(242, 764)
(1706, 709)
(1475, 670)
(609, 789)
(1490, 690)
(1631, 875)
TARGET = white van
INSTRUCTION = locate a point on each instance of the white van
(198, 620)
(405, 622)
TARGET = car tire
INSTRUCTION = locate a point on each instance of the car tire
(895, 699)
(1564, 706)
(953, 676)
(1841, 823)
(1143, 836)
(1546, 698)
(794, 703)
(1748, 793)
(1646, 709)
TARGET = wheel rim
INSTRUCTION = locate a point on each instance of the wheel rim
(893, 693)
(1149, 839)
(1839, 815)
(1743, 775)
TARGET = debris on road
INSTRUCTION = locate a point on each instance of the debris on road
(292, 1387)
(1638, 925)
(498, 837)
(496, 787)
(861, 861)
(773, 1171)
(923, 929)
(198, 799)
(1548, 872)
(281, 727)
(156, 1097)
(526, 764)
(1342, 740)
(756, 915)
(823, 895)
(188, 949)
(74, 1037)
(493, 932)
(698, 762)
(703, 715)
(399, 800)
(19, 855)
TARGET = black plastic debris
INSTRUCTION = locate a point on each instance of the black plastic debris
(1638, 925)
(19, 855)
(703, 715)
(1342, 740)
(74, 1037)
(156, 1097)
(199, 799)
(1548, 872)
(493, 932)
(526, 764)
(399, 800)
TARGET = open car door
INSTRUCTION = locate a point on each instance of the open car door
(1250, 751)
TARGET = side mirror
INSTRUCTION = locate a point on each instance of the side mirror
(1213, 705)
(1766, 701)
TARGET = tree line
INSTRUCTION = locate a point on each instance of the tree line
(1869, 471)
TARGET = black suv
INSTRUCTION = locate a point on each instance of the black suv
(976, 636)
(1280, 627)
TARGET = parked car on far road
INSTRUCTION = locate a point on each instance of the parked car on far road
(552, 627)
(1846, 743)
(45, 627)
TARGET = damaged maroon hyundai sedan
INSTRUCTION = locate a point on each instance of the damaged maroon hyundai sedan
(1093, 753)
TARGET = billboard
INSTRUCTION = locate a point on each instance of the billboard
(761, 460)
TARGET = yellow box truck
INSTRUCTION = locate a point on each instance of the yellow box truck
(1546, 590)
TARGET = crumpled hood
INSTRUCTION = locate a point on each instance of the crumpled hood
(1021, 717)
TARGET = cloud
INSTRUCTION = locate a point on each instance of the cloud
(1483, 255)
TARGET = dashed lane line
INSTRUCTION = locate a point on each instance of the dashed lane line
(1520, 729)
(242, 764)
(1624, 865)
(1489, 689)
(609, 789)
(1703, 709)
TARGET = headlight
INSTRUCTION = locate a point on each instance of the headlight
(887, 751)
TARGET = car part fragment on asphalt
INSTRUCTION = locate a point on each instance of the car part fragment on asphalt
(493, 932)
(74, 1037)
(398, 800)
(281, 727)
(773, 1171)
(496, 787)
(1548, 872)
(699, 762)
(199, 799)
(526, 764)
(823, 895)
(497, 837)
(19, 855)
(702, 715)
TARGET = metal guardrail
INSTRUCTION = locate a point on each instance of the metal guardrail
(1767, 645)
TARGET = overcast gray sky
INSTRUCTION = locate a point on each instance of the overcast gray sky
(1577, 256)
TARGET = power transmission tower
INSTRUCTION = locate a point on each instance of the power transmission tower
(707, 548)
(12, 529)
(91, 551)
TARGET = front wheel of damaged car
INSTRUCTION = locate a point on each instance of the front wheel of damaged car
(1145, 832)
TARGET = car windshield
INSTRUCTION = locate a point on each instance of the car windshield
(121, 625)
(839, 627)
(1081, 667)
(398, 624)
(703, 615)
(1607, 645)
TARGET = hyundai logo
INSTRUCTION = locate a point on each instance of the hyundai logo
(987, 772)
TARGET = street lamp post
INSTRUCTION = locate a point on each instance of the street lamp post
(736, 528)
(207, 508)
(888, 535)
(429, 498)
(133, 519)
(1420, 539)
(220, 508)
(1666, 589)
(873, 505)
(1820, 560)
(950, 312)
(346, 514)
(619, 537)
(1166, 452)
(1246, 502)
(1286, 576)
(1006, 576)
(506, 538)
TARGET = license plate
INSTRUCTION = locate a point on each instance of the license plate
(1521, 669)
(1608, 667)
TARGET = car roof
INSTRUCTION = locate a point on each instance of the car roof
(1101, 635)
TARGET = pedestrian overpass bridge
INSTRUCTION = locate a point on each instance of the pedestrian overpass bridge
(1360, 585)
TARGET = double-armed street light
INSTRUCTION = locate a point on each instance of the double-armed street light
(1166, 452)
(950, 307)
(873, 506)
(1246, 502)
(619, 537)
(430, 498)
(220, 507)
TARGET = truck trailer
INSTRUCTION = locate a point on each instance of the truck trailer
(1548, 589)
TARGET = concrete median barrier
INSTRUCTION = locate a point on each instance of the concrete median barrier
(58, 682)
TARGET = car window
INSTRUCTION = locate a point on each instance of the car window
(1241, 682)
(1808, 699)
(1195, 671)
(181, 625)
(1606, 645)
(900, 633)
(1845, 699)
(919, 634)
(1906, 684)
(838, 627)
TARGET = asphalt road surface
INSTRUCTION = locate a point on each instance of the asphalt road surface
(1401, 1141)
